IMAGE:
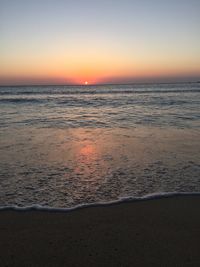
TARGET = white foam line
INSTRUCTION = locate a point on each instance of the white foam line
(97, 204)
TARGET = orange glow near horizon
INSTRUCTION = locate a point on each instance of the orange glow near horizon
(81, 65)
(73, 72)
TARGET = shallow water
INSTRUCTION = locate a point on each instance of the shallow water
(66, 146)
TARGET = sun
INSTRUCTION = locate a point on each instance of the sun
(86, 83)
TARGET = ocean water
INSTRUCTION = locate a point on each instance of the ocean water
(67, 146)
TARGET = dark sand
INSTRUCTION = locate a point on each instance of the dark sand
(159, 232)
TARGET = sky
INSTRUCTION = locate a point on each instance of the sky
(118, 41)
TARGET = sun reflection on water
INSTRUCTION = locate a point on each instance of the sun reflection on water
(88, 150)
(87, 161)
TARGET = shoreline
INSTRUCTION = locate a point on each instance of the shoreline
(155, 232)
(122, 200)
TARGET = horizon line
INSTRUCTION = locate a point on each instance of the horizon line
(98, 84)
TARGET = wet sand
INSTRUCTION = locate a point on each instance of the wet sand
(159, 232)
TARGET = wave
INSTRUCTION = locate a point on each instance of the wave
(98, 101)
(100, 204)
(20, 100)
(98, 92)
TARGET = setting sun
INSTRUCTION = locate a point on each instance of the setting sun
(86, 83)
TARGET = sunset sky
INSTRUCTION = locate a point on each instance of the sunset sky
(118, 41)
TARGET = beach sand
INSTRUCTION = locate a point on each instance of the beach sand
(159, 232)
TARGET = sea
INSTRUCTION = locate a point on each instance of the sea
(63, 147)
